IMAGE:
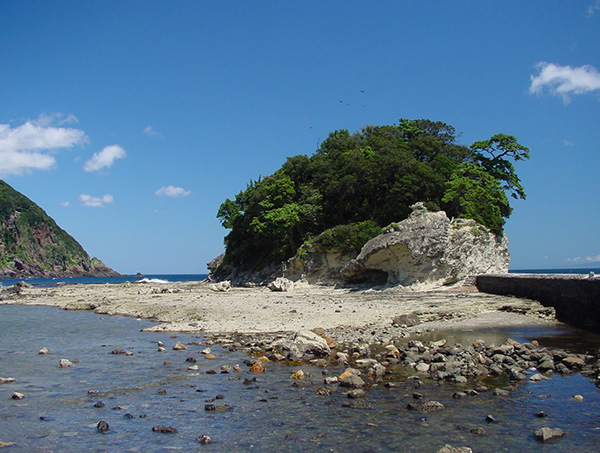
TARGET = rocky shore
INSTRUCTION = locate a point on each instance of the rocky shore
(346, 313)
(340, 341)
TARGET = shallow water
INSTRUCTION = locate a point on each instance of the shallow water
(267, 415)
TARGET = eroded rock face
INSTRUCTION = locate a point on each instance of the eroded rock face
(427, 248)
(430, 248)
(317, 266)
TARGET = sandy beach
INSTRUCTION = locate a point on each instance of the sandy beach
(198, 307)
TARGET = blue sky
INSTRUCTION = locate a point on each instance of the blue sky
(130, 122)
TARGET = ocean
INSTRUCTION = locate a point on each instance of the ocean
(145, 388)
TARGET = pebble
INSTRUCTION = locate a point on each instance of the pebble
(204, 439)
(179, 346)
(102, 426)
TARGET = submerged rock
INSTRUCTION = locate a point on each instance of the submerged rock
(164, 429)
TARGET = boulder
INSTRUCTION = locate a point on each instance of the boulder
(430, 248)
(307, 344)
(281, 284)
(223, 286)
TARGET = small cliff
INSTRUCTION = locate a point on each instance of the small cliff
(33, 245)
(427, 248)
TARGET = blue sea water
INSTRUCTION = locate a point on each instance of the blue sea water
(569, 270)
(103, 280)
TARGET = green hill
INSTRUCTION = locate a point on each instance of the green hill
(356, 184)
(33, 245)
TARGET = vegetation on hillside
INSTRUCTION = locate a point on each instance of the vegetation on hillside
(355, 184)
(29, 235)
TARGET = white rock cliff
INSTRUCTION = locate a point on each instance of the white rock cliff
(426, 249)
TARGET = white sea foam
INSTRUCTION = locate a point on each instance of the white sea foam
(153, 280)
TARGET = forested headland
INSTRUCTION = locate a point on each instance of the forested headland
(356, 184)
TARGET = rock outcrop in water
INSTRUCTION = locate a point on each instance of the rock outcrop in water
(426, 248)
(33, 245)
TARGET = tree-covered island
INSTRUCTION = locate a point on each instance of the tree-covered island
(354, 185)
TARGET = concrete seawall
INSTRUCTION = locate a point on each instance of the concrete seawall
(576, 298)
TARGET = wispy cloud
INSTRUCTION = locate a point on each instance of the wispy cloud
(95, 202)
(32, 146)
(55, 119)
(564, 81)
(172, 192)
(585, 259)
(593, 8)
(105, 158)
(65, 204)
(151, 132)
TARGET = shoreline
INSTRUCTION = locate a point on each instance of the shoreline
(343, 313)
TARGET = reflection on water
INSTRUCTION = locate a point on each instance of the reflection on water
(149, 388)
(559, 336)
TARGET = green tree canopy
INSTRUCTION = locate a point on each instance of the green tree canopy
(358, 183)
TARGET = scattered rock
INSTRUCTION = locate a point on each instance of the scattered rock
(356, 393)
(65, 363)
(179, 346)
(307, 345)
(358, 404)
(204, 439)
(281, 284)
(164, 429)
(17, 396)
(7, 380)
(297, 375)
(408, 320)
(223, 286)
(44, 351)
(102, 426)
(352, 381)
(257, 367)
(450, 449)
(545, 434)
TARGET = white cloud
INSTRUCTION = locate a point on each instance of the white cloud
(55, 119)
(105, 158)
(32, 145)
(66, 204)
(564, 80)
(151, 132)
(172, 192)
(585, 259)
(593, 8)
(95, 202)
